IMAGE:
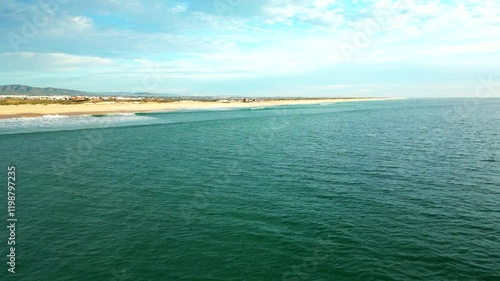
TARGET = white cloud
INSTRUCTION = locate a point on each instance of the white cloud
(179, 8)
(28, 62)
(183, 43)
(316, 14)
(80, 22)
(323, 4)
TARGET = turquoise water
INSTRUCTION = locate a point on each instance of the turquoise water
(387, 190)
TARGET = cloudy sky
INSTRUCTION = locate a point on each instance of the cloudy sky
(254, 47)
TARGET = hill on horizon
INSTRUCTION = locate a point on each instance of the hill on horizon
(17, 89)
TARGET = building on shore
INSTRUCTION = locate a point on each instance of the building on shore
(77, 98)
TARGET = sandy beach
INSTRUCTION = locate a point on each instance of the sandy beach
(17, 111)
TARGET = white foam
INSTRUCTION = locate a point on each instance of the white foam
(63, 122)
(120, 114)
(55, 116)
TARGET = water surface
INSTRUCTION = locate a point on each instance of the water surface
(382, 190)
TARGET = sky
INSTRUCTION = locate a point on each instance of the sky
(314, 48)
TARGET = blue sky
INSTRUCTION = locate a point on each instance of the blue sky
(254, 47)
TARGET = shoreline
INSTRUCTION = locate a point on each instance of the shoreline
(38, 110)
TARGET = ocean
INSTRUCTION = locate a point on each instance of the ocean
(379, 190)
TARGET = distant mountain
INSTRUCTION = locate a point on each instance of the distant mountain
(35, 91)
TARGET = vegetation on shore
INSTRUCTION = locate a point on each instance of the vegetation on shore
(17, 101)
(24, 101)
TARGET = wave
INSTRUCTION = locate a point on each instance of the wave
(191, 111)
(107, 120)
(68, 122)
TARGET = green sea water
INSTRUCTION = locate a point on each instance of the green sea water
(382, 190)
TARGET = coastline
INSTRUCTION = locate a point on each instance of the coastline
(37, 110)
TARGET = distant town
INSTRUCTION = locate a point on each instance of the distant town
(16, 94)
(124, 98)
(28, 93)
